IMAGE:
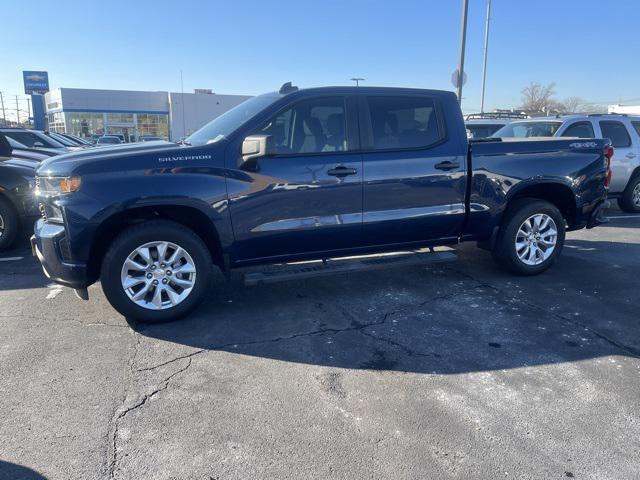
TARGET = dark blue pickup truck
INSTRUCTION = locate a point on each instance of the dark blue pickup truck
(306, 174)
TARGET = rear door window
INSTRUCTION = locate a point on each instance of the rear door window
(404, 122)
(636, 126)
(617, 132)
(580, 130)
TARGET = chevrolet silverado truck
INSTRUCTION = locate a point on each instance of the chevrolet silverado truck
(308, 174)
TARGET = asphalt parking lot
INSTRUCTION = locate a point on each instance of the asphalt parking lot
(449, 371)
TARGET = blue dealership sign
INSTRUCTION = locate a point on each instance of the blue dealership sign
(36, 82)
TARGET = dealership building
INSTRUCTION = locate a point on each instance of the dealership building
(134, 114)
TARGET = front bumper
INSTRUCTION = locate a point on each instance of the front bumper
(47, 244)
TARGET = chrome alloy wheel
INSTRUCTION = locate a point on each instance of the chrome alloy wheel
(635, 196)
(158, 275)
(536, 239)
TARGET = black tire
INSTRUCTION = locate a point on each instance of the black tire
(151, 231)
(9, 224)
(504, 251)
(626, 201)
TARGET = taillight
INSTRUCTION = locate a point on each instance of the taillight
(608, 155)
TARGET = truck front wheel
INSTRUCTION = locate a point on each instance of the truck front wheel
(156, 271)
(531, 237)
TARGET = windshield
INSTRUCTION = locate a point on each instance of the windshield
(15, 143)
(220, 127)
(65, 141)
(33, 138)
(482, 131)
(110, 140)
(528, 129)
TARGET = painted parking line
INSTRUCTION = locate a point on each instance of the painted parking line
(10, 259)
(54, 291)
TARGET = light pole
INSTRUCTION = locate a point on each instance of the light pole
(4, 117)
(358, 80)
(486, 50)
(463, 40)
(18, 111)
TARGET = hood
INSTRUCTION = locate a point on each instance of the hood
(22, 166)
(125, 157)
(30, 154)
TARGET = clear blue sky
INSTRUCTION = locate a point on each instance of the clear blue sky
(590, 48)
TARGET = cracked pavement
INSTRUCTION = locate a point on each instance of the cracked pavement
(448, 371)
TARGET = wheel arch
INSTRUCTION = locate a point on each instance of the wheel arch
(635, 174)
(557, 193)
(190, 217)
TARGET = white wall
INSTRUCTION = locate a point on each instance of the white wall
(199, 109)
(110, 100)
(628, 109)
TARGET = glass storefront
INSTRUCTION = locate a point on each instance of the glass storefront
(131, 125)
(85, 124)
(56, 122)
(153, 124)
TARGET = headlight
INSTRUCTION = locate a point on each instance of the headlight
(50, 186)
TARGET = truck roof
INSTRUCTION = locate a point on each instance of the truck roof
(353, 89)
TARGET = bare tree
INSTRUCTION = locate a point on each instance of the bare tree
(572, 104)
(539, 98)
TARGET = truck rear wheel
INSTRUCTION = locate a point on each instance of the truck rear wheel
(156, 271)
(531, 237)
(630, 199)
(9, 224)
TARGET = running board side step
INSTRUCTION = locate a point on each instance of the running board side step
(299, 271)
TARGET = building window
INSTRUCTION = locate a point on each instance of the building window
(119, 118)
(85, 124)
(56, 122)
(152, 124)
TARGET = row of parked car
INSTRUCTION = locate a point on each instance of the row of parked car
(21, 152)
(622, 130)
(22, 138)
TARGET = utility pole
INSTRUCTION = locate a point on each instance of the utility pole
(486, 50)
(184, 124)
(17, 110)
(357, 80)
(4, 117)
(463, 41)
(28, 111)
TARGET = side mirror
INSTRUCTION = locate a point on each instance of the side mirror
(256, 146)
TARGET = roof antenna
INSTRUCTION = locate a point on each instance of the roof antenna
(287, 88)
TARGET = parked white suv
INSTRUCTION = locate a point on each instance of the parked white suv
(483, 125)
(622, 130)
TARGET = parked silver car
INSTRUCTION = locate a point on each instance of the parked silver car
(622, 130)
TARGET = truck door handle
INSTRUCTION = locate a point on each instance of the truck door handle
(447, 165)
(631, 155)
(342, 171)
